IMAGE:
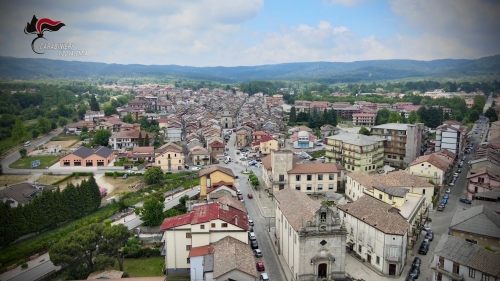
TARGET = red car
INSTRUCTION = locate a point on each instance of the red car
(250, 196)
(260, 266)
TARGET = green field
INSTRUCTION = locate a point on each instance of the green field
(143, 267)
(25, 163)
(62, 137)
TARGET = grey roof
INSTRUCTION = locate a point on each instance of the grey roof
(394, 191)
(24, 192)
(208, 263)
(103, 151)
(479, 220)
(392, 126)
(356, 139)
(455, 249)
(83, 152)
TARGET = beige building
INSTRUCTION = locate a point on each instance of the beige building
(200, 156)
(169, 157)
(355, 152)
(364, 119)
(479, 225)
(431, 167)
(206, 224)
(86, 157)
(242, 138)
(281, 170)
(310, 237)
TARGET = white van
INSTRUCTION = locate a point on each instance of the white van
(264, 277)
(27, 143)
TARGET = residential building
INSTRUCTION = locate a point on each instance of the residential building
(346, 112)
(328, 130)
(173, 132)
(481, 180)
(242, 138)
(76, 128)
(310, 237)
(130, 139)
(402, 142)
(142, 153)
(457, 259)
(199, 156)
(86, 157)
(364, 119)
(22, 193)
(377, 232)
(205, 224)
(266, 144)
(452, 136)
(357, 184)
(431, 167)
(486, 156)
(309, 178)
(355, 152)
(169, 157)
(256, 136)
(479, 225)
(491, 199)
(214, 177)
(91, 115)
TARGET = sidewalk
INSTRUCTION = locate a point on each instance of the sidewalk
(31, 265)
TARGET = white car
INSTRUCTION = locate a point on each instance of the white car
(239, 192)
(195, 168)
(448, 190)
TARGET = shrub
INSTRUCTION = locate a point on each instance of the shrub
(20, 262)
(125, 274)
(24, 265)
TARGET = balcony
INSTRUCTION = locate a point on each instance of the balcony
(452, 275)
(278, 181)
(393, 258)
(206, 158)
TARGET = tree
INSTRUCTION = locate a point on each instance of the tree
(152, 211)
(491, 114)
(53, 125)
(395, 117)
(85, 129)
(18, 132)
(146, 140)
(140, 140)
(63, 121)
(473, 115)
(153, 175)
(364, 131)
(43, 125)
(293, 115)
(101, 137)
(94, 105)
(23, 152)
(114, 238)
(35, 133)
(128, 118)
(382, 116)
(110, 110)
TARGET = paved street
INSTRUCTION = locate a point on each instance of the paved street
(36, 268)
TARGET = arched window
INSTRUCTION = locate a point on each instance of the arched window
(323, 216)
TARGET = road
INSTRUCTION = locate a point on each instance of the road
(34, 271)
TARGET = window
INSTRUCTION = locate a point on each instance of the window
(390, 197)
(377, 260)
(188, 247)
(323, 217)
(441, 262)
(309, 187)
(423, 191)
(360, 236)
(188, 260)
(369, 241)
(297, 177)
(393, 252)
(330, 186)
(309, 177)
(380, 196)
(439, 277)
(360, 248)
(188, 235)
(212, 225)
(456, 268)
(320, 177)
(320, 186)
(331, 177)
(297, 187)
(202, 226)
(472, 272)
(179, 161)
(485, 277)
(223, 224)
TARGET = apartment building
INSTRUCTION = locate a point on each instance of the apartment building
(169, 157)
(479, 225)
(457, 259)
(355, 152)
(481, 180)
(432, 167)
(214, 177)
(280, 171)
(403, 142)
(452, 136)
(130, 139)
(364, 119)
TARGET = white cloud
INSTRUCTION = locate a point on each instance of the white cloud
(348, 3)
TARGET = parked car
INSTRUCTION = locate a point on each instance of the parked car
(417, 261)
(424, 248)
(448, 190)
(381, 171)
(195, 168)
(414, 272)
(254, 244)
(440, 207)
(251, 236)
(444, 201)
(257, 253)
(250, 222)
(464, 200)
(452, 183)
(446, 195)
(260, 266)
(125, 177)
(250, 196)
(410, 278)
(426, 227)
(459, 171)
(429, 235)
(239, 192)
(240, 197)
(455, 175)
(464, 157)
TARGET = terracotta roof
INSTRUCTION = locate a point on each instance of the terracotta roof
(392, 179)
(208, 212)
(170, 147)
(296, 206)
(315, 168)
(232, 201)
(378, 214)
(216, 144)
(212, 169)
(434, 160)
(143, 149)
(231, 254)
(266, 139)
(266, 161)
(492, 174)
(131, 134)
(259, 133)
(201, 251)
(446, 152)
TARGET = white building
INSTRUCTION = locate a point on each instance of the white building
(91, 115)
(457, 259)
(452, 136)
(377, 232)
(310, 237)
(173, 133)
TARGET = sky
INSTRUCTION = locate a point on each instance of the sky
(255, 32)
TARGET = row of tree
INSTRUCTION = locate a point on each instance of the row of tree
(315, 118)
(48, 210)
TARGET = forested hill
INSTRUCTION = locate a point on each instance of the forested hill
(325, 72)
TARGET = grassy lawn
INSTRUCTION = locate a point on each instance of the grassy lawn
(62, 137)
(318, 153)
(143, 267)
(12, 179)
(50, 179)
(45, 161)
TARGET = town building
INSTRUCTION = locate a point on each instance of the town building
(200, 156)
(169, 157)
(90, 116)
(226, 120)
(303, 138)
(22, 193)
(402, 142)
(205, 224)
(130, 139)
(214, 177)
(364, 119)
(452, 135)
(490, 199)
(378, 233)
(355, 152)
(328, 130)
(481, 180)
(479, 225)
(432, 167)
(86, 157)
(457, 259)
(310, 237)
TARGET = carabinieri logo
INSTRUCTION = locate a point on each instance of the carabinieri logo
(38, 26)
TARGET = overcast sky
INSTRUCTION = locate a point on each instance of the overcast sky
(256, 32)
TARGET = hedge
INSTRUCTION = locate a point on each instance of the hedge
(120, 174)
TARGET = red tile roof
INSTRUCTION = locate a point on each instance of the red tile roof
(206, 213)
(216, 144)
(266, 138)
(201, 251)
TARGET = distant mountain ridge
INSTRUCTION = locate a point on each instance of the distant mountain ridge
(328, 72)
